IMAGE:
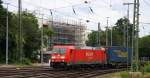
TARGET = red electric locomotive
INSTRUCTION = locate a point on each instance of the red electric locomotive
(66, 55)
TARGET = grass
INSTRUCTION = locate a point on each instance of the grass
(147, 68)
(111, 75)
(25, 63)
(124, 74)
(22, 65)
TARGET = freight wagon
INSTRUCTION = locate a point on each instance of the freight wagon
(118, 56)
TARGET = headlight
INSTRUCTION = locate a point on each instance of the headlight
(53, 57)
(62, 57)
(103, 49)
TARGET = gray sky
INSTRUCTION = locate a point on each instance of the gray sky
(101, 8)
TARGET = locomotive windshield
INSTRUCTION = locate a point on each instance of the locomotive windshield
(59, 50)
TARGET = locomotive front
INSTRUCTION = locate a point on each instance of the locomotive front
(59, 56)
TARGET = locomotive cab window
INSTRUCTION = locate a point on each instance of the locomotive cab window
(59, 50)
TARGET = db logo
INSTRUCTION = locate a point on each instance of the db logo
(89, 54)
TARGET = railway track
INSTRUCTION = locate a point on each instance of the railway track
(46, 72)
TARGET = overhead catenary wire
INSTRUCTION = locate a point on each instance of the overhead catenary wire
(144, 23)
(73, 5)
(30, 10)
(55, 10)
(86, 2)
(66, 6)
(74, 11)
(51, 12)
(60, 13)
(17, 7)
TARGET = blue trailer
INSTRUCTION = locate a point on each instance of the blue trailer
(118, 55)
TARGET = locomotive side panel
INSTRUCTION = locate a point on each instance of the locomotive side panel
(88, 56)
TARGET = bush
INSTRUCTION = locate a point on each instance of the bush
(26, 61)
(147, 68)
(147, 63)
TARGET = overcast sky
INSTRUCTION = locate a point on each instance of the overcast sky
(101, 8)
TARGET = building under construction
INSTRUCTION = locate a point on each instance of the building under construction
(67, 33)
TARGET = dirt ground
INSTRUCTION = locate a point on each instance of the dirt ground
(147, 76)
(117, 75)
(112, 75)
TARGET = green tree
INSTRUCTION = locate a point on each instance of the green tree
(31, 35)
(2, 32)
(92, 39)
(117, 34)
(48, 32)
(144, 46)
(12, 32)
(118, 31)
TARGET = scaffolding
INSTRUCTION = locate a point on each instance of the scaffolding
(69, 32)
